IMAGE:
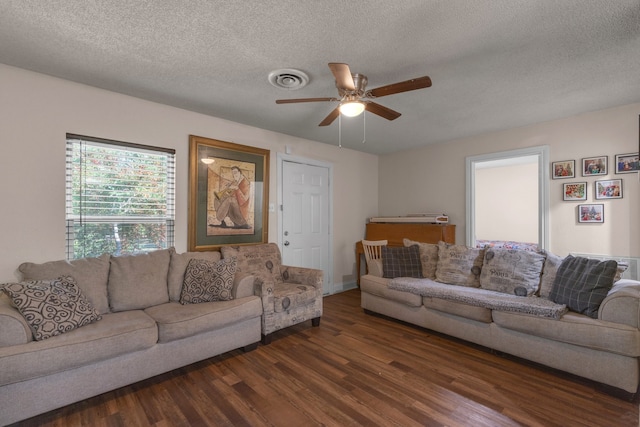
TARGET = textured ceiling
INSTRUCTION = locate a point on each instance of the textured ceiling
(495, 64)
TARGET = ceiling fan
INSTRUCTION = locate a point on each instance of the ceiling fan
(354, 97)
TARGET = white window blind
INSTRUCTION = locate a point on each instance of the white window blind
(120, 197)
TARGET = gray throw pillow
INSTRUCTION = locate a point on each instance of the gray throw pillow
(401, 261)
(428, 257)
(459, 265)
(51, 307)
(511, 271)
(178, 266)
(582, 284)
(207, 281)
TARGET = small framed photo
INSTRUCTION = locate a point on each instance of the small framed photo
(627, 163)
(591, 213)
(574, 191)
(608, 189)
(595, 166)
(564, 169)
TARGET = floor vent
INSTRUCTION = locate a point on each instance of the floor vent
(632, 271)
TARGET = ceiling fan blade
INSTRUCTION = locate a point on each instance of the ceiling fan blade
(381, 111)
(342, 74)
(292, 101)
(413, 84)
(331, 117)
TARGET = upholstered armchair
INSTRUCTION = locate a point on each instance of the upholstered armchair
(290, 295)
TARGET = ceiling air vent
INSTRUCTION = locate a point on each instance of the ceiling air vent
(288, 79)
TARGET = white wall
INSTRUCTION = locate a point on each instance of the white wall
(36, 112)
(432, 178)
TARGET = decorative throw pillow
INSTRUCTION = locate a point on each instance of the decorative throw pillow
(582, 284)
(401, 262)
(511, 271)
(459, 265)
(51, 307)
(178, 266)
(549, 271)
(206, 281)
(428, 257)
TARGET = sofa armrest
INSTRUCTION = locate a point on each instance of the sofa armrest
(302, 275)
(242, 285)
(622, 304)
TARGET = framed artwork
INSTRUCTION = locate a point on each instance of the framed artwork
(608, 189)
(228, 194)
(627, 163)
(591, 213)
(563, 169)
(595, 165)
(574, 191)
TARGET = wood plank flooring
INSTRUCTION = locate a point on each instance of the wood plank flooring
(355, 369)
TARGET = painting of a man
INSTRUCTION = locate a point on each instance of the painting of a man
(230, 207)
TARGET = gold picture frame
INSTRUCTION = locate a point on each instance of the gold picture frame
(228, 194)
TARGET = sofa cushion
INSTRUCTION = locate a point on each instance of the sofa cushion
(14, 330)
(51, 307)
(114, 335)
(428, 257)
(207, 281)
(178, 266)
(459, 265)
(379, 286)
(576, 329)
(176, 321)
(91, 274)
(511, 271)
(287, 296)
(582, 284)
(401, 262)
(262, 261)
(139, 281)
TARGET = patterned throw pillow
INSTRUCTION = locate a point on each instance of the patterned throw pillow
(428, 257)
(401, 262)
(51, 307)
(206, 281)
(511, 271)
(459, 265)
(582, 284)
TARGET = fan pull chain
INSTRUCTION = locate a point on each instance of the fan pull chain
(364, 129)
(340, 130)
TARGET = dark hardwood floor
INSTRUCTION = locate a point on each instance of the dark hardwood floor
(355, 369)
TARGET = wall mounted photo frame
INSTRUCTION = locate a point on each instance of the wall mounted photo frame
(228, 194)
(627, 163)
(595, 165)
(563, 169)
(592, 213)
(608, 189)
(574, 191)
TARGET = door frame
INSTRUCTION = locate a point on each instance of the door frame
(280, 159)
(542, 154)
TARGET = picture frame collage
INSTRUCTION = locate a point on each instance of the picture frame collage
(603, 189)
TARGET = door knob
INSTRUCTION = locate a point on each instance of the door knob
(286, 243)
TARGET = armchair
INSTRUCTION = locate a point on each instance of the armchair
(290, 295)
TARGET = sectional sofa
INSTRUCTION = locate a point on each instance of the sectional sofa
(522, 303)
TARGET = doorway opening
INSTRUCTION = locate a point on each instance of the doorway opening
(507, 196)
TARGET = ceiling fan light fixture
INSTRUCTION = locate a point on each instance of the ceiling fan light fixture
(352, 108)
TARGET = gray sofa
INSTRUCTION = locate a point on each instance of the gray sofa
(144, 330)
(603, 346)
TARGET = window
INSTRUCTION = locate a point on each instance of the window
(119, 197)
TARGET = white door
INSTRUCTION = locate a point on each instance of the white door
(305, 218)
